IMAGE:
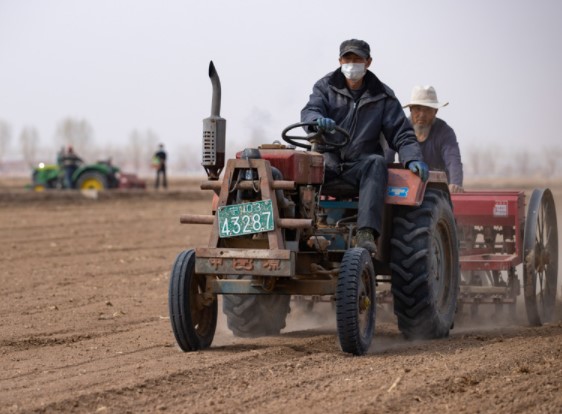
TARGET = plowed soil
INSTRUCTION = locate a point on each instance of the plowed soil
(84, 327)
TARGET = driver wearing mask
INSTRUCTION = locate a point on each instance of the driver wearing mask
(353, 98)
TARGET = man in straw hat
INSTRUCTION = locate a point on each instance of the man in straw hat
(353, 98)
(437, 139)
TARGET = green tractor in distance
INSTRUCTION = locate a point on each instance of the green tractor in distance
(99, 176)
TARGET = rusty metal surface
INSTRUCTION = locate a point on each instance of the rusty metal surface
(495, 261)
(286, 223)
(490, 227)
(227, 197)
(293, 223)
(259, 262)
(406, 188)
(485, 208)
(249, 185)
(469, 294)
(302, 167)
(486, 290)
(197, 219)
(485, 300)
(275, 237)
(256, 253)
(282, 287)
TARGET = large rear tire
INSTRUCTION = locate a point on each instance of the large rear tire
(252, 316)
(425, 267)
(92, 180)
(356, 301)
(193, 317)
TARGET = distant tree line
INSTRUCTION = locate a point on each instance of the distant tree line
(496, 162)
(136, 154)
(79, 133)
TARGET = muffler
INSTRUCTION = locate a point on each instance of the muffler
(214, 131)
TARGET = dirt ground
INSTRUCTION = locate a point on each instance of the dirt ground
(84, 327)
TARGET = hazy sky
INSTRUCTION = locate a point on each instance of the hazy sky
(139, 64)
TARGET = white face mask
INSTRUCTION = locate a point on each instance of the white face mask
(353, 71)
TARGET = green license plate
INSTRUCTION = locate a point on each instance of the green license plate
(247, 218)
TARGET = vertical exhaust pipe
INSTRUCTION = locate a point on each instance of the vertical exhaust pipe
(214, 132)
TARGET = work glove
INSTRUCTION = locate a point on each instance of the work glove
(420, 168)
(326, 124)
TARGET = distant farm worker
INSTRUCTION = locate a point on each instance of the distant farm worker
(353, 98)
(159, 163)
(437, 139)
(70, 162)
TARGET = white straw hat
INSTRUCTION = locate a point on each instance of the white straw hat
(425, 96)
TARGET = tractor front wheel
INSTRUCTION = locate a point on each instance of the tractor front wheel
(193, 315)
(355, 301)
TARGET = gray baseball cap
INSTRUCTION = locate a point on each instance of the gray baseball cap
(359, 47)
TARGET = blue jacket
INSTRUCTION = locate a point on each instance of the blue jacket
(441, 152)
(377, 112)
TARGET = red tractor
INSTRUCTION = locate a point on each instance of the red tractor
(275, 236)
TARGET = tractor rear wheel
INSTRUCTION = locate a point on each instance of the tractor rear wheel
(92, 180)
(425, 267)
(193, 316)
(252, 316)
(540, 252)
(355, 301)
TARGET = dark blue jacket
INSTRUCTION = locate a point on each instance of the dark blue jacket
(377, 112)
(440, 151)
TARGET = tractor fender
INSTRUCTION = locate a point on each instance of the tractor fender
(100, 168)
(404, 189)
(407, 189)
(104, 169)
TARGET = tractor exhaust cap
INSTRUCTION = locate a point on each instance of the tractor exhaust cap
(214, 131)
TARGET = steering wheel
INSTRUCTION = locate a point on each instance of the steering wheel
(315, 138)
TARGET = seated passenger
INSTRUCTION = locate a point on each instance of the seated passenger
(437, 140)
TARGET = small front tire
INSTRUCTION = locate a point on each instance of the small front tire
(356, 301)
(192, 314)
